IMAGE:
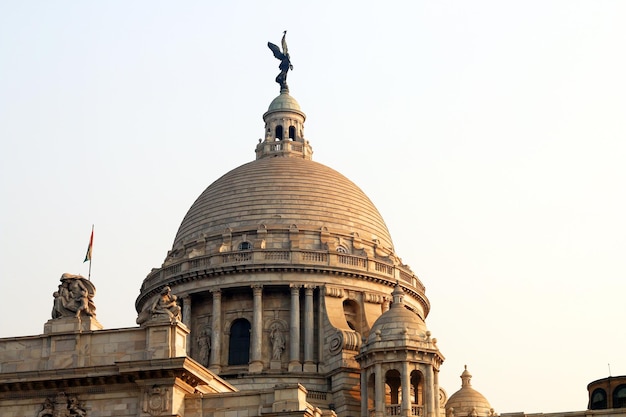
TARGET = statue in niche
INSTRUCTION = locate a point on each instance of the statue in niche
(278, 342)
(74, 297)
(204, 345)
(166, 305)
(285, 62)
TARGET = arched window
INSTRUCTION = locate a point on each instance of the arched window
(239, 343)
(598, 400)
(245, 246)
(619, 397)
(279, 132)
(292, 132)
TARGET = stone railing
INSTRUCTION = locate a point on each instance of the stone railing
(396, 410)
(292, 257)
(287, 146)
(316, 395)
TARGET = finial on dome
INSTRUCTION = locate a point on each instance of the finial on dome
(285, 63)
(397, 295)
(465, 378)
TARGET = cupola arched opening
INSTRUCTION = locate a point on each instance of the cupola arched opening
(292, 132)
(239, 343)
(279, 132)
(417, 389)
(619, 396)
(393, 395)
(598, 400)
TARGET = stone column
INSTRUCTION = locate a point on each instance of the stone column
(429, 398)
(364, 410)
(187, 319)
(436, 389)
(256, 345)
(216, 337)
(406, 390)
(309, 329)
(380, 391)
(294, 330)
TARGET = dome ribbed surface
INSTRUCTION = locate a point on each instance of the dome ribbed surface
(283, 191)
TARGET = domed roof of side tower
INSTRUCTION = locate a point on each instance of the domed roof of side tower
(398, 323)
(467, 401)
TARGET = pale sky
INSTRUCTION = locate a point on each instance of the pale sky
(489, 134)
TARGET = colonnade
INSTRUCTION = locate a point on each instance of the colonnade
(427, 406)
(296, 363)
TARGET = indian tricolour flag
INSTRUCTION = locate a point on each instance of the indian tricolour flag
(89, 248)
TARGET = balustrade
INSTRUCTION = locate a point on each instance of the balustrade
(282, 256)
(396, 410)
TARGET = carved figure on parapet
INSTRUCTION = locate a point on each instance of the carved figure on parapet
(74, 297)
(165, 306)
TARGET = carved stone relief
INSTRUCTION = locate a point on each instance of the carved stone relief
(155, 400)
(62, 406)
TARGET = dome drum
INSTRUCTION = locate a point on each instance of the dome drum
(209, 267)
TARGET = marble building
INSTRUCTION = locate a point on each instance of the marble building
(282, 294)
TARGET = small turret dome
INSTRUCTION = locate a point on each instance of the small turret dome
(467, 401)
(284, 102)
(398, 323)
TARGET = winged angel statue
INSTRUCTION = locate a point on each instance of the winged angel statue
(285, 62)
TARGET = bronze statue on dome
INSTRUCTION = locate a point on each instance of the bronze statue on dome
(285, 62)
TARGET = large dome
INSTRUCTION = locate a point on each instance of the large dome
(281, 192)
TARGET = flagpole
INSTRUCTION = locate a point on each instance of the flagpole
(91, 249)
(88, 255)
